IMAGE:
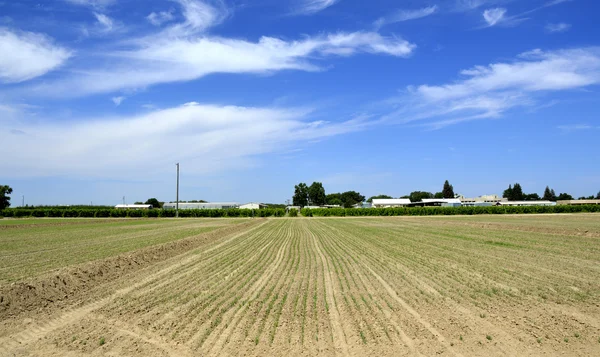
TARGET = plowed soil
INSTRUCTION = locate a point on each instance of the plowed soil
(388, 286)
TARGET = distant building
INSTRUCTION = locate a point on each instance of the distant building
(578, 202)
(253, 205)
(204, 205)
(133, 206)
(390, 202)
(476, 201)
(443, 202)
(527, 203)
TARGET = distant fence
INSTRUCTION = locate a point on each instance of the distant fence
(445, 211)
(116, 213)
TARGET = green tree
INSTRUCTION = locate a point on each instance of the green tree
(531, 197)
(564, 197)
(549, 194)
(154, 202)
(438, 195)
(334, 199)
(370, 200)
(518, 194)
(514, 193)
(300, 195)
(316, 194)
(417, 196)
(448, 190)
(508, 193)
(598, 196)
(350, 198)
(5, 191)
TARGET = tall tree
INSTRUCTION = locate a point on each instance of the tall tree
(564, 197)
(508, 193)
(300, 195)
(154, 202)
(448, 190)
(438, 195)
(5, 191)
(350, 198)
(598, 196)
(316, 194)
(370, 200)
(549, 194)
(518, 194)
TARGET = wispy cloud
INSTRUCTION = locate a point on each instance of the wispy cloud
(195, 57)
(92, 3)
(204, 138)
(104, 21)
(26, 55)
(560, 27)
(118, 100)
(308, 7)
(405, 15)
(158, 18)
(490, 91)
(576, 127)
(494, 16)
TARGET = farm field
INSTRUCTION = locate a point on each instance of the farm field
(391, 286)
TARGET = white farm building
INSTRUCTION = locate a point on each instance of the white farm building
(253, 205)
(122, 206)
(390, 202)
(203, 205)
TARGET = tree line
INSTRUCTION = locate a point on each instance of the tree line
(515, 193)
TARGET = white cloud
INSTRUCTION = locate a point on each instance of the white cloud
(199, 16)
(405, 15)
(560, 27)
(118, 100)
(104, 21)
(164, 59)
(92, 3)
(576, 127)
(494, 16)
(204, 138)
(308, 7)
(490, 91)
(26, 55)
(158, 18)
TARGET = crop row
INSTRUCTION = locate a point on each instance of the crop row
(446, 211)
(120, 213)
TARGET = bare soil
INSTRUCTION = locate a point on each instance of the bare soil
(393, 286)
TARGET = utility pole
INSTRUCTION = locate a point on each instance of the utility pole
(177, 197)
(23, 203)
(123, 199)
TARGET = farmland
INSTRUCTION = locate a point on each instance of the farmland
(460, 285)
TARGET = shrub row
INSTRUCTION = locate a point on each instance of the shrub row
(450, 211)
(111, 212)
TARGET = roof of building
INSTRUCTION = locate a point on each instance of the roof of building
(527, 203)
(391, 201)
(133, 206)
(441, 200)
(578, 202)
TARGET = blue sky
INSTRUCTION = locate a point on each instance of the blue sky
(100, 98)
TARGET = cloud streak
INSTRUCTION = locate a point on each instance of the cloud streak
(205, 138)
(27, 55)
(309, 7)
(405, 15)
(557, 28)
(164, 59)
(486, 92)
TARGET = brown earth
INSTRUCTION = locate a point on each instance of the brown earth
(472, 286)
